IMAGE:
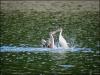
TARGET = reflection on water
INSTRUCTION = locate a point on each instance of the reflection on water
(44, 61)
(31, 49)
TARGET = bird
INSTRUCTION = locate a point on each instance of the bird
(44, 43)
(50, 42)
(63, 43)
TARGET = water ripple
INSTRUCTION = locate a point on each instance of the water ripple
(32, 49)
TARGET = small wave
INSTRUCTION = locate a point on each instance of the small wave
(32, 49)
(66, 66)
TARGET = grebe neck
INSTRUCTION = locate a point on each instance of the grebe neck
(61, 32)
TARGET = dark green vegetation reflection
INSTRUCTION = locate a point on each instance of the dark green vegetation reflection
(38, 63)
(29, 28)
(80, 29)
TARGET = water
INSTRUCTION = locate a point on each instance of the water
(32, 49)
(21, 33)
(45, 61)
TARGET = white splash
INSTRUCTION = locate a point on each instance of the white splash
(32, 49)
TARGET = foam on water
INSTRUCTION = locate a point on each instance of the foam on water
(66, 66)
(32, 49)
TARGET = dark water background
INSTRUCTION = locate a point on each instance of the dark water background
(19, 29)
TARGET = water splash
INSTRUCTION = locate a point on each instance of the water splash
(32, 49)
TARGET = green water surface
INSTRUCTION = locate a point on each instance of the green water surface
(80, 30)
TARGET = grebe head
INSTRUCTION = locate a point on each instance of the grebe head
(60, 29)
(52, 33)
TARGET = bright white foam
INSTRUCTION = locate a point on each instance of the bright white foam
(32, 49)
